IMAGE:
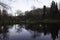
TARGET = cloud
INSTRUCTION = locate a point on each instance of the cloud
(25, 5)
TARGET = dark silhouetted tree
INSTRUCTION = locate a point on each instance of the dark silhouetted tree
(44, 11)
(52, 9)
(56, 11)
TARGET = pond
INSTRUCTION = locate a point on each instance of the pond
(29, 32)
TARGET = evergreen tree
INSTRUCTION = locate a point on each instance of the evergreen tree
(52, 10)
(44, 11)
(56, 11)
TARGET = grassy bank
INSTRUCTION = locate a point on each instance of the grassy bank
(32, 22)
(44, 21)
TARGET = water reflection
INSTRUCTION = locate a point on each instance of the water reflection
(46, 29)
(4, 32)
(30, 32)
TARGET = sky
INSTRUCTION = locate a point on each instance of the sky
(26, 5)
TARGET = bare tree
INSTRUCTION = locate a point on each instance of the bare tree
(5, 5)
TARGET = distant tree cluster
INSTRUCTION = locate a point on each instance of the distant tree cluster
(5, 17)
(45, 13)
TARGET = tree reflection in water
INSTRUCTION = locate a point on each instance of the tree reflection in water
(52, 28)
(19, 29)
(3, 32)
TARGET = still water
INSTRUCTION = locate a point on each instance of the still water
(21, 32)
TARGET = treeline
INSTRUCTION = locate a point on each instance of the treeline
(51, 13)
(35, 15)
(5, 17)
(45, 13)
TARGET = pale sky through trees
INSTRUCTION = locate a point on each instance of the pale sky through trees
(25, 5)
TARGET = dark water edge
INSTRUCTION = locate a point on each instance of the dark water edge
(50, 31)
